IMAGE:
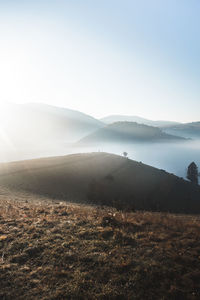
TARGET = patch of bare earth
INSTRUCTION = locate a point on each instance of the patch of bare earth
(64, 251)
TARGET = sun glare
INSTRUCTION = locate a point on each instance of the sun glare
(4, 113)
(5, 124)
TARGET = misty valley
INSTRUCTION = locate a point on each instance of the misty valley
(172, 157)
(37, 130)
(99, 150)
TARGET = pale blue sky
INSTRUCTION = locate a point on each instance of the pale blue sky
(103, 56)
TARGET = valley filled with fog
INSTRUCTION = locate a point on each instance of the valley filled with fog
(172, 157)
(33, 130)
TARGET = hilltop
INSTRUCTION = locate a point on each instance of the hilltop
(128, 132)
(123, 118)
(102, 179)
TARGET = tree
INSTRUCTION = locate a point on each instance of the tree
(125, 154)
(192, 173)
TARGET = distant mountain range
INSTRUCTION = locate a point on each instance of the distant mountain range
(32, 124)
(128, 132)
(122, 118)
(187, 130)
(102, 179)
(45, 129)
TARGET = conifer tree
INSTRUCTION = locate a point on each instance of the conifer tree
(192, 173)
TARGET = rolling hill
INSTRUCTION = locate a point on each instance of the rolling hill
(128, 132)
(123, 118)
(41, 124)
(187, 130)
(103, 179)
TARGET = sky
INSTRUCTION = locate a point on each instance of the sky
(103, 57)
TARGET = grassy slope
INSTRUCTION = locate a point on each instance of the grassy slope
(54, 251)
(102, 178)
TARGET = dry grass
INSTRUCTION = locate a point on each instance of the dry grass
(65, 251)
(102, 178)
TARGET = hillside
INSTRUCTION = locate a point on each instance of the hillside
(102, 178)
(128, 132)
(187, 130)
(123, 118)
(40, 124)
(64, 251)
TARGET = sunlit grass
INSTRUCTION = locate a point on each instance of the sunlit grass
(89, 252)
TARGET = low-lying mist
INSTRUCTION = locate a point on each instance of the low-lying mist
(172, 157)
(38, 130)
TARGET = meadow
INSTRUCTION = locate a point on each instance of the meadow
(58, 250)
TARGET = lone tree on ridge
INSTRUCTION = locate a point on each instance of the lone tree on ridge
(125, 154)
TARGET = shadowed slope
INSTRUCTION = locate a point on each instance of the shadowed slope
(104, 179)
